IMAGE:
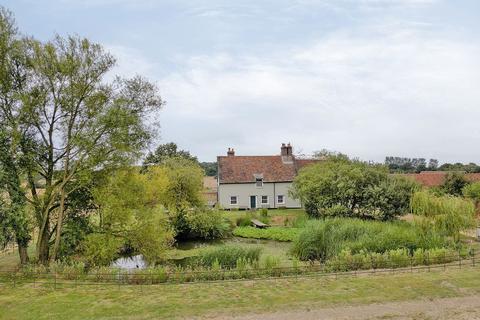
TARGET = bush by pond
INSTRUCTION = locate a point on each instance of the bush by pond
(272, 233)
(324, 239)
(201, 224)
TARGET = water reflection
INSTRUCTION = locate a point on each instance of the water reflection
(130, 263)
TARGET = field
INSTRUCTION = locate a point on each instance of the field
(298, 296)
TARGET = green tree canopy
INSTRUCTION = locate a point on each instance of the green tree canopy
(167, 151)
(210, 168)
(129, 217)
(341, 187)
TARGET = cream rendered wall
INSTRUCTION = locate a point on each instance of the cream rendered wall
(243, 191)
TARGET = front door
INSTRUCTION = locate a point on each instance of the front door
(253, 202)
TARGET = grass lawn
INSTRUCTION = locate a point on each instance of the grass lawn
(228, 298)
(277, 216)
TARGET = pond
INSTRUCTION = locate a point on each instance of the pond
(183, 251)
(130, 263)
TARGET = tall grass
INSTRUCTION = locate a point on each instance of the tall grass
(448, 215)
(227, 256)
(272, 233)
(324, 239)
(245, 219)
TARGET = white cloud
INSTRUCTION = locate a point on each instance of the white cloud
(400, 92)
(129, 62)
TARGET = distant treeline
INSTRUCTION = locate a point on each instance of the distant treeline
(416, 165)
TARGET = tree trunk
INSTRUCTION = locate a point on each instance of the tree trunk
(23, 253)
(43, 247)
(58, 233)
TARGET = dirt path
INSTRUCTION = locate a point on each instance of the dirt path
(464, 308)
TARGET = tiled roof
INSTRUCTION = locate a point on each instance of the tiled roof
(436, 178)
(244, 169)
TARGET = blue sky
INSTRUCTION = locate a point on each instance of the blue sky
(369, 78)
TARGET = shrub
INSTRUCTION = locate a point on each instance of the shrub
(201, 224)
(264, 212)
(101, 249)
(272, 233)
(227, 256)
(244, 221)
(454, 183)
(472, 191)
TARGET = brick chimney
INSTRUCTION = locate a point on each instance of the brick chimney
(231, 152)
(286, 151)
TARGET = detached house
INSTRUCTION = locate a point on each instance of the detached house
(249, 182)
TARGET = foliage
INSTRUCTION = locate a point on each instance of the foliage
(409, 165)
(454, 184)
(397, 258)
(324, 239)
(272, 233)
(227, 256)
(15, 221)
(101, 249)
(341, 187)
(130, 216)
(472, 191)
(165, 152)
(185, 184)
(201, 224)
(244, 219)
(326, 154)
(460, 167)
(210, 168)
(448, 215)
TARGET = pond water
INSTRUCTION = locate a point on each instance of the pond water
(130, 263)
(269, 247)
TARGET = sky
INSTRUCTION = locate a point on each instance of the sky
(369, 78)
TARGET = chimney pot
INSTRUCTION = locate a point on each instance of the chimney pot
(231, 152)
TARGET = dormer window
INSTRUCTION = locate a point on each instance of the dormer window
(259, 182)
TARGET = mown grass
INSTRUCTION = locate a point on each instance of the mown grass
(223, 299)
(291, 214)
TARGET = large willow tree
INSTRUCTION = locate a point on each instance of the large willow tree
(73, 122)
(447, 214)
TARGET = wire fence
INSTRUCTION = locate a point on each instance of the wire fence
(163, 276)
